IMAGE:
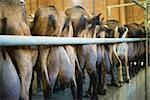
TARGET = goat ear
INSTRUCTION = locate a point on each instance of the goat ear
(99, 14)
(102, 19)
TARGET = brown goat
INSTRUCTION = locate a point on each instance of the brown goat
(12, 23)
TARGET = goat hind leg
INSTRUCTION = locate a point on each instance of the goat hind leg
(74, 88)
(79, 80)
(127, 70)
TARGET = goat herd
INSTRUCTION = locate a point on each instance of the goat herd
(65, 64)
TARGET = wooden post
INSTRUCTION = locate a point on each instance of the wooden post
(93, 7)
(30, 6)
(122, 15)
(63, 5)
(105, 10)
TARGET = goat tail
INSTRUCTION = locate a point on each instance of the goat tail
(51, 21)
(3, 32)
(4, 26)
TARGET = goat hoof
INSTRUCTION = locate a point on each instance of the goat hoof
(47, 97)
(104, 92)
(119, 84)
(136, 72)
(79, 98)
(94, 98)
(98, 92)
(120, 81)
(39, 89)
(133, 75)
(114, 84)
(88, 94)
(101, 92)
(83, 76)
(127, 81)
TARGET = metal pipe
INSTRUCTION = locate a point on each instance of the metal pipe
(147, 28)
(7, 40)
(139, 4)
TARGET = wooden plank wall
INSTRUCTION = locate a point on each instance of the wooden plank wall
(134, 13)
(125, 14)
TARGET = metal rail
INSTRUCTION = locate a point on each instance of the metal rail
(147, 28)
(7, 40)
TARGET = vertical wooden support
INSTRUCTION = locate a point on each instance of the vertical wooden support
(105, 10)
(93, 7)
(30, 6)
(38, 4)
(122, 15)
(63, 5)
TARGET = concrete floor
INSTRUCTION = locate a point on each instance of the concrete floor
(135, 90)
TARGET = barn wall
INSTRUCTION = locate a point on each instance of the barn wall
(128, 14)
(134, 13)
